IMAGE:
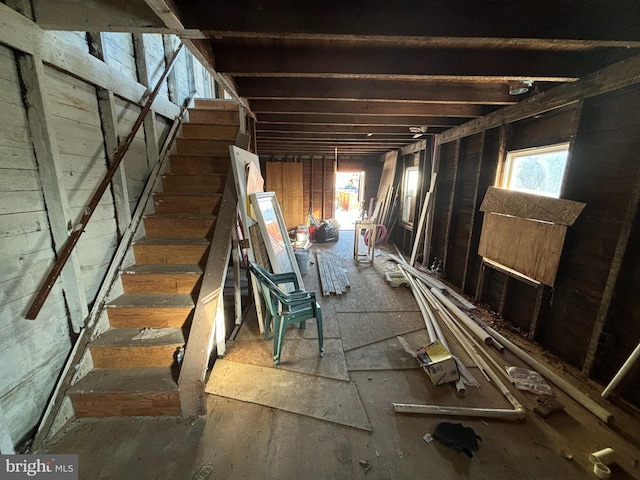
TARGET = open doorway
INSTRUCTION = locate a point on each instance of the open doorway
(348, 201)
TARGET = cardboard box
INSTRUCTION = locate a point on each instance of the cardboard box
(438, 363)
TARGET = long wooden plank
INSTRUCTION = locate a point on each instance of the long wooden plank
(527, 205)
(530, 247)
(196, 358)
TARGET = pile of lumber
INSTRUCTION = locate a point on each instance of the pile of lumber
(333, 278)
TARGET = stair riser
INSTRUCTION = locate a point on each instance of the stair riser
(186, 204)
(133, 356)
(125, 404)
(195, 165)
(221, 132)
(158, 227)
(153, 317)
(215, 117)
(210, 104)
(160, 283)
(172, 254)
(202, 146)
(193, 183)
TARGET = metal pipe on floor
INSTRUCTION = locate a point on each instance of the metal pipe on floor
(598, 410)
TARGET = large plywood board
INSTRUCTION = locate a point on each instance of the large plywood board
(527, 205)
(530, 247)
(285, 179)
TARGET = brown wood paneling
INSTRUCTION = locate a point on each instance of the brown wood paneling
(605, 152)
(527, 246)
(486, 177)
(463, 207)
(519, 304)
(444, 191)
(549, 128)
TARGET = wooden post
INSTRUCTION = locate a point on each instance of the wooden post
(535, 315)
(445, 254)
(45, 147)
(149, 124)
(474, 209)
(435, 161)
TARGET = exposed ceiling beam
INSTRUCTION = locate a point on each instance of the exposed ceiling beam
(368, 108)
(495, 93)
(560, 19)
(347, 119)
(264, 128)
(465, 64)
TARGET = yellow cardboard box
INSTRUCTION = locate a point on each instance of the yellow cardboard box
(438, 363)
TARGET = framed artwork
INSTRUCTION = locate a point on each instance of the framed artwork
(269, 215)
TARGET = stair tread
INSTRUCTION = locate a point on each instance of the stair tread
(126, 337)
(172, 194)
(157, 300)
(171, 241)
(126, 380)
(182, 216)
(171, 174)
(169, 268)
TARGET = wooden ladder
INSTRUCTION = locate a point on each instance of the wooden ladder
(135, 370)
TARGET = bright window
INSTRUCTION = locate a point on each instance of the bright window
(411, 178)
(536, 170)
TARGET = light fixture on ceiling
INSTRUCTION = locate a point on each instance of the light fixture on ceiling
(520, 87)
(418, 131)
(369, 134)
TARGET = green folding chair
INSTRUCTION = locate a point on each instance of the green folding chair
(284, 309)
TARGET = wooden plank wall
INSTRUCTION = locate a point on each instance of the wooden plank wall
(603, 172)
(319, 184)
(33, 353)
(76, 122)
(25, 255)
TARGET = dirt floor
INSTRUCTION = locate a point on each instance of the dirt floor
(332, 418)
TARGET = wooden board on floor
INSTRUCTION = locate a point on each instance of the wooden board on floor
(527, 246)
(333, 278)
(326, 399)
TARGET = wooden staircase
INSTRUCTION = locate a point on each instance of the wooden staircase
(134, 362)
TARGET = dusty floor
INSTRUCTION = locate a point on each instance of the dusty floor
(250, 439)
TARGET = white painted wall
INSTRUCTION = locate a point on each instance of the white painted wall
(33, 352)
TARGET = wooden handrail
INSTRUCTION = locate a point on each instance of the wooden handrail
(196, 356)
(71, 242)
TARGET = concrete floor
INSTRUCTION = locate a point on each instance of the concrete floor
(253, 439)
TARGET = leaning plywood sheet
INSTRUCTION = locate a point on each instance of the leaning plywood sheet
(527, 246)
(527, 205)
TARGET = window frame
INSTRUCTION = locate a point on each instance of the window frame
(512, 155)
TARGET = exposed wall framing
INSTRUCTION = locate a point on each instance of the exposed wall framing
(601, 121)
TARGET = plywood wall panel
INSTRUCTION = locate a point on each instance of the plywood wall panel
(527, 246)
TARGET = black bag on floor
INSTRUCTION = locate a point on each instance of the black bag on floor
(327, 233)
(457, 436)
